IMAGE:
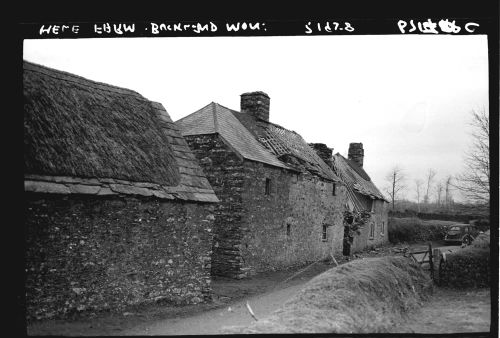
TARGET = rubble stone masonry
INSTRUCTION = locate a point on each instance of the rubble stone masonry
(285, 228)
(224, 170)
(93, 254)
(256, 231)
(379, 220)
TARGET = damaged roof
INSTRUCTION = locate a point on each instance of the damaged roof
(86, 137)
(283, 142)
(355, 178)
(217, 119)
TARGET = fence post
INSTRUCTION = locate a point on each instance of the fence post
(431, 263)
(436, 254)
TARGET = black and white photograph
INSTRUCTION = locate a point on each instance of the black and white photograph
(221, 177)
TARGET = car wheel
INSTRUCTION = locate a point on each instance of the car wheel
(466, 240)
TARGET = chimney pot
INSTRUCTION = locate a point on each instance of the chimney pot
(356, 153)
(256, 104)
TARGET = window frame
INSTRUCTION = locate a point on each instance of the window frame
(267, 190)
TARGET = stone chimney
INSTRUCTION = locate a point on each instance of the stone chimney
(256, 104)
(324, 152)
(356, 153)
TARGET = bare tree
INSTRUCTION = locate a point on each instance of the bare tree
(474, 181)
(447, 191)
(431, 173)
(418, 187)
(396, 180)
(439, 193)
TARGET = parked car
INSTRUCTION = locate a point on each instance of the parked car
(460, 233)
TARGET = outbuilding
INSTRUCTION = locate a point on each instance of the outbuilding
(117, 210)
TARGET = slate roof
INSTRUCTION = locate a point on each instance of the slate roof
(256, 140)
(217, 119)
(356, 179)
(86, 137)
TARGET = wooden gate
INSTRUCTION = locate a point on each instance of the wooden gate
(422, 257)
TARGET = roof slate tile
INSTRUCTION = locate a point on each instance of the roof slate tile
(215, 118)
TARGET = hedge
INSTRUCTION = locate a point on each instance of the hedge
(467, 267)
(414, 230)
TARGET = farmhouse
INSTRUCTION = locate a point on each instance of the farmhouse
(281, 204)
(363, 195)
(118, 211)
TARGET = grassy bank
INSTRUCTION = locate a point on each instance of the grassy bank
(367, 295)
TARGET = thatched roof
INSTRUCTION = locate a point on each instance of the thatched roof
(78, 130)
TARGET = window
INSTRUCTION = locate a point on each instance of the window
(288, 230)
(268, 186)
(324, 234)
(334, 188)
(373, 206)
(372, 230)
(383, 227)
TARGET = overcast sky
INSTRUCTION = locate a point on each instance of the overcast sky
(407, 98)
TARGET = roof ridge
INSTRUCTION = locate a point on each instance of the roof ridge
(78, 79)
(231, 110)
(279, 126)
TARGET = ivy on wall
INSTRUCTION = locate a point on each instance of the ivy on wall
(355, 220)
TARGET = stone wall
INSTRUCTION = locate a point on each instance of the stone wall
(379, 220)
(94, 254)
(250, 231)
(224, 170)
(302, 204)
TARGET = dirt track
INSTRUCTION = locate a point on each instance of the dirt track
(451, 311)
(211, 322)
(448, 311)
